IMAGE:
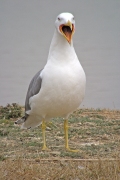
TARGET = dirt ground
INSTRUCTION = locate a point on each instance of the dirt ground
(95, 133)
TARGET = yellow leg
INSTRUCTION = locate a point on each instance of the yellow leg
(44, 139)
(66, 137)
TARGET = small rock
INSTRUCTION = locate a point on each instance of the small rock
(55, 153)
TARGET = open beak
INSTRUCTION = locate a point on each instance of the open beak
(67, 30)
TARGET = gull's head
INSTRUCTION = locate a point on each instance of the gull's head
(65, 24)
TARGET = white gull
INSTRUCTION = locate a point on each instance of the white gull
(59, 88)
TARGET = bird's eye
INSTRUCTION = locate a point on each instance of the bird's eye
(58, 19)
(73, 18)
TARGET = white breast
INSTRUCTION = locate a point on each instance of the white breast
(62, 91)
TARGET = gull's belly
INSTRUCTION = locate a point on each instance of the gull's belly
(61, 94)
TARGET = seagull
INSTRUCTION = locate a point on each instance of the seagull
(59, 88)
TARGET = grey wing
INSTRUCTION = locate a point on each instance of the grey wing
(33, 89)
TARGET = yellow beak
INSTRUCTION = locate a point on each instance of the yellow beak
(69, 24)
(67, 32)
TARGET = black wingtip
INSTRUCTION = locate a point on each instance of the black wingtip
(20, 121)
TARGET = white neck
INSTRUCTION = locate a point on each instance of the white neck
(60, 48)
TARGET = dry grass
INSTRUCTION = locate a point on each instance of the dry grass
(96, 133)
(60, 169)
